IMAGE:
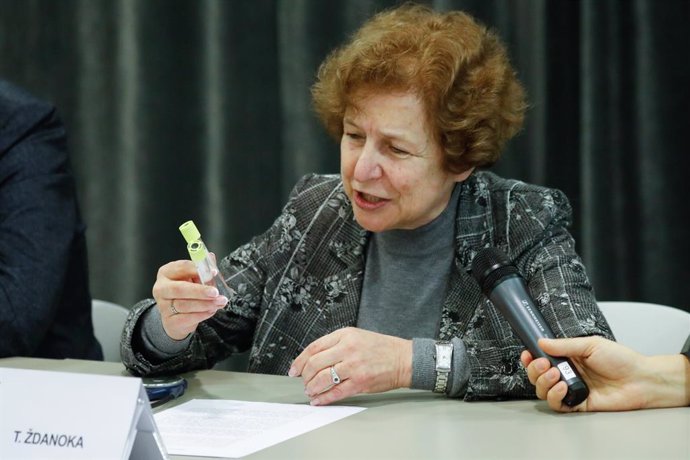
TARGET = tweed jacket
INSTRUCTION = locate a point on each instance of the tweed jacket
(302, 279)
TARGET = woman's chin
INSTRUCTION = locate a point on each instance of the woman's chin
(371, 225)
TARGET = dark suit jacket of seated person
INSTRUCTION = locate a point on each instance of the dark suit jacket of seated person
(45, 305)
(359, 250)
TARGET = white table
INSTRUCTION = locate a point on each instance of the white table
(408, 424)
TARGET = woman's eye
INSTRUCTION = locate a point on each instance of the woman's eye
(399, 152)
(354, 136)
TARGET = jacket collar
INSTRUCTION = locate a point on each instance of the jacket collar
(474, 230)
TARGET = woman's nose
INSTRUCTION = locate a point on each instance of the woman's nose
(368, 165)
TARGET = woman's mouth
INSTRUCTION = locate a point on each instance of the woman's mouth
(367, 201)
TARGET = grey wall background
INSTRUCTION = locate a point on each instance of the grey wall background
(200, 110)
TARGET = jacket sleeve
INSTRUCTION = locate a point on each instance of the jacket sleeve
(38, 221)
(231, 329)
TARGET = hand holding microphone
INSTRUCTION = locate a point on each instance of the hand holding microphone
(501, 282)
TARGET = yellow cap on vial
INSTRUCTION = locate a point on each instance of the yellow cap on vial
(190, 232)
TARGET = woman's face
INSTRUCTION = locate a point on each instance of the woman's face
(390, 164)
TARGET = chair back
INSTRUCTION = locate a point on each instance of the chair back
(108, 322)
(648, 328)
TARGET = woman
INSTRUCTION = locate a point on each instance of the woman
(362, 284)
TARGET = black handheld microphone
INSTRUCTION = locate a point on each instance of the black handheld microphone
(501, 282)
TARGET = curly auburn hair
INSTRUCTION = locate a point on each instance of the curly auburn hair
(473, 100)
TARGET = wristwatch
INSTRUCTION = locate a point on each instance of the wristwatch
(444, 357)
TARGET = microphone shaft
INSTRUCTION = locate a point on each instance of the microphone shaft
(511, 298)
(526, 321)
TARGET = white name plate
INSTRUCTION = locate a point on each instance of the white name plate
(61, 415)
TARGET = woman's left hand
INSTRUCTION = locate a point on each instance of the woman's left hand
(365, 362)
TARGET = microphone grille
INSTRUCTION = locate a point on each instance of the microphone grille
(489, 266)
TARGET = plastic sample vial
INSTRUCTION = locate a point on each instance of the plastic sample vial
(205, 265)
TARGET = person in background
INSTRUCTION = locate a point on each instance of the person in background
(618, 377)
(45, 305)
(361, 285)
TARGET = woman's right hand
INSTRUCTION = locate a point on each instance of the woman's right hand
(182, 301)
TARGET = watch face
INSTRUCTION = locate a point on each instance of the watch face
(444, 353)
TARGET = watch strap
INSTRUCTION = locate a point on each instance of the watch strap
(441, 382)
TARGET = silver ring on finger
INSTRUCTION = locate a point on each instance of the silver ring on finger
(335, 378)
(173, 309)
